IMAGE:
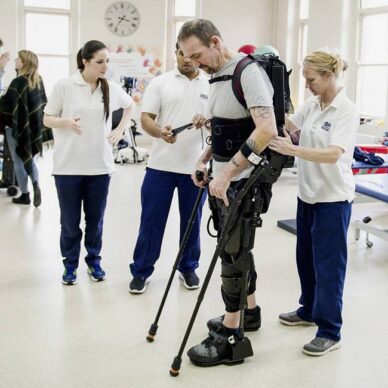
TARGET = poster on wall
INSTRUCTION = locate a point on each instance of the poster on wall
(133, 69)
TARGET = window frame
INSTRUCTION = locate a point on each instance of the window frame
(303, 27)
(370, 11)
(171, 29)
(74, 33)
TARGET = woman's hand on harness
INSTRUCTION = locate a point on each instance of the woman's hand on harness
(282, 145)
(218, 188)
(115, 136)
(167, 135)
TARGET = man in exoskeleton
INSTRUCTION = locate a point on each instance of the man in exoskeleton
(238, 138)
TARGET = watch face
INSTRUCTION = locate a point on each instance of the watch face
(122, 18)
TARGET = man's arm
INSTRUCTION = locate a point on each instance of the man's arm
(149, 125)
(259, 139)
(264, 132)
(201, 166)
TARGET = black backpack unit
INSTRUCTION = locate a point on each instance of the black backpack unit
(279, 77)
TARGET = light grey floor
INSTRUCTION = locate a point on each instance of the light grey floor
(93, 334)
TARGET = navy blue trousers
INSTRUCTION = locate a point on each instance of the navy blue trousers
(321, 256)
(91, 191)
(156, 195)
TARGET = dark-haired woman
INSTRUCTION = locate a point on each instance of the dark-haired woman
(80, 111)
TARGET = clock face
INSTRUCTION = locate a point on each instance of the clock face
(122, 18)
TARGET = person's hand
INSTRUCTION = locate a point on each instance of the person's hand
(218, 188)
(199, 121)
(115, 136)
(75, 125)
(200, 166)
(282, 145)
(167, 135)
(4, 59)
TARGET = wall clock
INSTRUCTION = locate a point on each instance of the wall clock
(122, 18)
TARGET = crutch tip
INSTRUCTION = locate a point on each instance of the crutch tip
(150, 338)
(174, 372)
(176, 366)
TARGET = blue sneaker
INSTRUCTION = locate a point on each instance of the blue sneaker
(69, 277)
(96, 273)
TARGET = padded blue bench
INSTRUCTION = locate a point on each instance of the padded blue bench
(374, 186)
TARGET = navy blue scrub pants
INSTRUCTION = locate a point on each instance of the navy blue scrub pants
(156, 195)
(91, 191)
(321, 256)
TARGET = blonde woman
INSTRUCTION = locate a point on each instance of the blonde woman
(21, 110)
(328, 122)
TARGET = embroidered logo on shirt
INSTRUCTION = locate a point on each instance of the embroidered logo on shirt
(203, 96)
(326, 126)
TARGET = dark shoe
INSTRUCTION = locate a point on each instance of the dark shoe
(96, 273)
(320, 346)
(220, 348)
(252, 321)
(190, 280)
(69, 277)
(23, 199)
(138, 285)
(37, 195)
(293, 319)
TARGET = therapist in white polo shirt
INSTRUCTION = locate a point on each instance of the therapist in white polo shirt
(80, 112)
(171, 100)
(328, 122)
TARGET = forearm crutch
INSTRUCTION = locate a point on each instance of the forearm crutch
(262, 168)
(154, 326)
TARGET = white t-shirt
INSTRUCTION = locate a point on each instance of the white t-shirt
(174, 99)
(257, 89)
(336, 125)
(89, 153)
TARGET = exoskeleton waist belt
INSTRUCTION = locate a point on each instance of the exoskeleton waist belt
(228, 135)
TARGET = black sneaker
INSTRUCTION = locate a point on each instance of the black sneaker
(190, 280)
(293, 319)
(320, 346)
(23, 199)
(220, 348)
(252, 320)
(138, 285)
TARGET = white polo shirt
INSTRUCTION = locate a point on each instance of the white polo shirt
(89, 153)
(336, 125)
(175, 99)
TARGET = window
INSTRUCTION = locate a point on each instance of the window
(179, 11)
(302, 47)
(372, 64)
(47, 33)
(183, 10)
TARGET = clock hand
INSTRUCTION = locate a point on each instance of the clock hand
(121, 19)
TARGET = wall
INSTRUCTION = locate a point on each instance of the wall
(150, 34)
(332, 24)
(243, 22)
(9, 34)
(252, 24)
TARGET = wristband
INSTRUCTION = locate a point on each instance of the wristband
(250, 155)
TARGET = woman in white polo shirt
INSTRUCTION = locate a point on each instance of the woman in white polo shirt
(328, 123)
(80, 112)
